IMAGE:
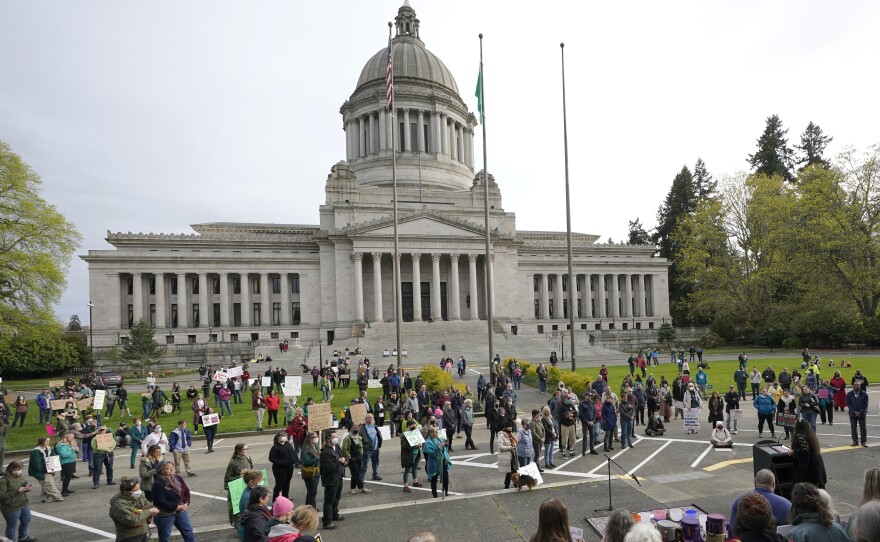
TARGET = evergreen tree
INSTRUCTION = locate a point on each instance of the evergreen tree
(637, 233)
(774, 156)
(813, 143)
(703, 183)
(678, 203)
(142, 350)
(74, 324)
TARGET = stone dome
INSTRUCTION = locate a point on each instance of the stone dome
(410, 59)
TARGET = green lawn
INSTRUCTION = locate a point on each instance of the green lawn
(242, 418)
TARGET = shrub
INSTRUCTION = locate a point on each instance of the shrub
(436, 379)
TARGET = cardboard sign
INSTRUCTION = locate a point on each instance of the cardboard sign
(358, 413)
(210, 419)
(220, 376)
(53, 464)
(83, 404)
(736, 414)
(374, 383)
(414, 437)
(267, 381)
(292, 386)
(531, 470)
(785, 420)
(104, 441)
(100, 397)
(345, 376)
(58, 404)
(692, 418)
(56, 384)
(147, 394)
(386, 432)
(234, 372)
(320, 417)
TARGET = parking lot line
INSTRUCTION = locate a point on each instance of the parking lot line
(603, 464)
(79, 526)
(702, 455)
(650, 457)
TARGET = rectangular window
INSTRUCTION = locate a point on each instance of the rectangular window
(294, 284)
(173, 315)
(236, 285)
(169, 339)
(611, 325)
(212, 337)
(173, 285)
(535, 283)
(650, 325)
(550, 284)
(427, 138)
(578, 285)
(276, 314)
(236, 314)
(400, 137)
(294, 310)
(152, 283)
(191, 339)
(216, 314)
(625, 326)
(276, 285)
(129, 285)
(537, 309)
(580, 308)
(233, 337)
(130, 316)
(152, 315)
(194, 288)
(215, 285)
(294, 334)
(638, 325)
(195, 313)
(255, 336)
(256, 317)
(256, 288)
(273, 335)
(565, 308)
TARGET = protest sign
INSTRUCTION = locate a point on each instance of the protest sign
(577, 534)
(531, 470)
(736, 414)
(147, 394)
(220, 376)
(236, 488)
(104, 441)
(58, 404)
(386, 432)
(320, 417)
(83, 404)
(414, 437)
(374, 383)
(786, 419)
(234, 372)
(822, 393)
(358, 413)
(100, 397)
(56, 384)
(53, 463)
(267, 381)
(210, 419)
(692, 418)
(292, 386)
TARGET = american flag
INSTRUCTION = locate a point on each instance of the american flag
(389, 77)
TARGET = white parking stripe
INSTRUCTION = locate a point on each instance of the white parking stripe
(650, 457)
(79, 526)
(602, 464)
(702, 455)
(208, 495)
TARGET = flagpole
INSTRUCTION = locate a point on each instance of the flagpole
(397, 293)
(489, 308)
(572, 280)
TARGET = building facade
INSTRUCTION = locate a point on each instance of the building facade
(243, 281)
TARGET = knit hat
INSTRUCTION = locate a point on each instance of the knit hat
(281, 506)
(754, 512)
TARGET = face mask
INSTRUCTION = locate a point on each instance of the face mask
(16, 472)
(355, 432)
(137, 493)
(315, 440)
(282, 441)
(334, 441)
(157, 430)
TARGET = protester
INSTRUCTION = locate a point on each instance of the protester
(137, 434)
(871, 490)
(310, 461)
(467, 423)
(766, 407)
(754, 520)
(258, 406)
(609, 422)
(147, 469)
(293, 524)
(552, 522)
(811, 517)
(765, 484)
(333, 465)
(409, 458)
(273, 403)
(239, 463)
(857, 403)
(131, 512)
(507, 460)
(618, 525)
(210, 432)
(371, 438)
(155, 437)
(66, 450)
(642, 532)
(655, 427)
(692, 399)
(864, 524)
(720, 436)
(353, 450)
(549, 439)
(14, 502)
(102, 459)
(253, 519)
(437, 461)
(283, 458)
(180, 442)
(172, 498)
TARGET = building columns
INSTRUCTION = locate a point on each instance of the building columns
(383, 139)
(420, 136)
(587, 295)
(137, 297)
(246, 307)
(627, 297)
(474, 313)
(362, 144)
(417, 287)
(285, 299)
(377, 286)
(224, 299)
(655, 299)
(600, 297)
(407, 139)
(182, 304)
(436, 147)
(436, 312)
(265, 300)
(545, 297)
(160, 301)
(615, 296)
(455, 295)
(560, 298)
(642, 295)
(371, 139)
(358, 287)
(204, 318)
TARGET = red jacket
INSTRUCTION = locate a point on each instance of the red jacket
(272, 402)
(297, 429)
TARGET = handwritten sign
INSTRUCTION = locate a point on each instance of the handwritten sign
(236, 488)
(210, 419)
(267, 381)
(234, 372)
(736, 414)
(147, 394)
(56, 384)
(823, 393)
(58, 404)
(692, 418)
(531, 470)
(577, 534)
(220, 376)
(358, 412)
(53, 464)
(292, 386)
(414, 437)
(104, 441)
(786, 419)
(83, 404)
(100, 397)
(374, 383)
(320, 417)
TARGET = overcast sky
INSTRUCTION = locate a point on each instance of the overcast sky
(151, 116)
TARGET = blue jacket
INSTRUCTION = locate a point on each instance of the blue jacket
(857, 403)
(609, 417)
(765, 404)
(702, 378)
(587, 411)
(174, 440)
(137, 434)
(779, 505)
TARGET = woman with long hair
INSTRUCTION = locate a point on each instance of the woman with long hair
(864, 524)
(310, 457)
(171, 497)
(552, 522)
(147, 469)
(210, 431)
(812, 518)
(254, 518)
(239, 464)
(808, 463)
(507, 461)
(871, 491)
(66, 450)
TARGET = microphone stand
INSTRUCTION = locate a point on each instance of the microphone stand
(609, 462)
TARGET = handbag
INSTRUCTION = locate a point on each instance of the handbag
(309, 472)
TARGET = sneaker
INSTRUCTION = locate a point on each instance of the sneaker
(365, 490)
(354, 491)
(406, 489)
(417, 484)
(191, 474)
(379, 478)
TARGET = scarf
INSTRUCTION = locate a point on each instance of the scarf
(173, 482)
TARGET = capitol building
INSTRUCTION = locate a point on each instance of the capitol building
(328, 281)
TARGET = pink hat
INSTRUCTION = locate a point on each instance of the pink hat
(281, 506)
(438, 412)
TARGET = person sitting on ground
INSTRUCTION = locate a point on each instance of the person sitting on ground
(812, 517)
(655, 427)
(721, 436)
(765, 484)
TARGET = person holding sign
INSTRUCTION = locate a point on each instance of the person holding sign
(438, 463)
(409, 456)
(766, 407)
(66, 450)
(239, 464)
(102, 457)
(39, 467)
(826, 402)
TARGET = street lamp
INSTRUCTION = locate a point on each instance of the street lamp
(91, 340)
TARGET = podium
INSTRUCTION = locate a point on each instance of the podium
(774, 457)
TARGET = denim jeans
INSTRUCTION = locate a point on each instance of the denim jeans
(543, 385)
(225, 404)
(626, 427)
(548, 451)
(179, 520)
(810, 417)
(524, 460)
(371, 456)
(96, 462)
(17, 520)
(731, 424)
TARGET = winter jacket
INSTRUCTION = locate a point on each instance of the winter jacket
(332, 471)
(253, 519)
(524, 444)
(506, 449)
(282, 456)
(272, 402)
(764, 404)
(147, 472)
(130, 515)
(66, 452)
(11, 499)
(807, 528)
(37, 463)
(234, 468)
(166, 499)
(180, 440)
(285, 532)
(609, 417)
(857, 403)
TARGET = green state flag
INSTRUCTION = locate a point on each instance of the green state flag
(479, 93)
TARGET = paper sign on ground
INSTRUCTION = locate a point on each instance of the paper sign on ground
(692, 418)
(358, 413)
(320, 417)
(531, 470)
(736, 414)
(100, 397)
(53, 463)
(210, 419)
(58, 404)
(234, 372)
(56, 384)
(414, 437)
(267, 381)
(374, 383)
(292, 386)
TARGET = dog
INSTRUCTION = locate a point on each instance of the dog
(521, 481)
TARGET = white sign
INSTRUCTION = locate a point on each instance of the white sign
(577, 534)
(100, 397)
(531, 470)
(414, 437)
(292, 386)
(374, 383)
(736, 414)
(210, 419)
(53, 464)
(267, 381)
(692, 418)
(386, 432)
(234, 372)
(220, 376)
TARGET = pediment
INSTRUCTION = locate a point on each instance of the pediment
(419, 225)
